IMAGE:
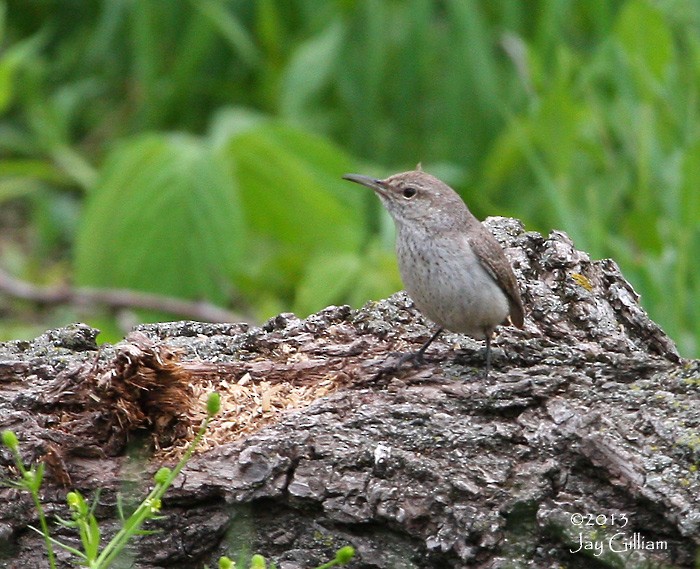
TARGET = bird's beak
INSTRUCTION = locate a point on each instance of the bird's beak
(376, 185)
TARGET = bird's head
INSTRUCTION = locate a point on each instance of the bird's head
(416, 198)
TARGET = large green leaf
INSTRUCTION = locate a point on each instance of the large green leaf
(328, 280)
(352, 278)
(294, 198)
(165, 217)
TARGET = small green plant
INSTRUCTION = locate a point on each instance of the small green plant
(82, 515)
(342, 557)
(30, 480)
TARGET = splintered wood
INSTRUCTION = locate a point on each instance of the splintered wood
(253, 393)
(246, 406)
(146, 386)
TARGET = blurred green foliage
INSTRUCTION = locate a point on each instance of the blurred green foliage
(195, 147)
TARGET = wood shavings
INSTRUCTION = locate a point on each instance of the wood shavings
(246, 407)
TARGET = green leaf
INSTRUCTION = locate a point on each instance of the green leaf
(166, 218)
(294, 199)
(328, 280)
(269, 28)
(645, 37)
(12, 60)
(232, 121)
(688, 206)
(308, 70)
(9, 439)
(11, 188)
(379, 275)
(231, 28)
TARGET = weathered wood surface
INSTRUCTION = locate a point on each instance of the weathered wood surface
(588, 410)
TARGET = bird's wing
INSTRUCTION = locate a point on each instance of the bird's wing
(493, 259)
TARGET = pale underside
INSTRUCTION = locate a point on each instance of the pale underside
(450, 286)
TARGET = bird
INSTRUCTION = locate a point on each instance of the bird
(451, 266)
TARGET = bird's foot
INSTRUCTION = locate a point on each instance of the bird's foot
(397, 360)
(479, 358)
(416, 359)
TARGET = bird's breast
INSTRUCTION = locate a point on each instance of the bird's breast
(449, 284)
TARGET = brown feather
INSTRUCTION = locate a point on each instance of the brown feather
(491, 255)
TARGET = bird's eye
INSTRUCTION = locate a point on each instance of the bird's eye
(409, 192)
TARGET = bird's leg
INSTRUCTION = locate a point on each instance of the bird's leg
(488, 334)
(418, 358)
(420, 354)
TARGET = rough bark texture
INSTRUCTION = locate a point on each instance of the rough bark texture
(589, 410)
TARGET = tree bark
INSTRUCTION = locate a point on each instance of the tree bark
(580, 450)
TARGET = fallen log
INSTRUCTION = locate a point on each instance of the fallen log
(580, 450)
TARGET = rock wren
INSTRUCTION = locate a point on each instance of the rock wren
(452, 267)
